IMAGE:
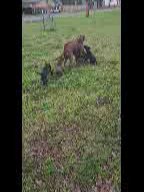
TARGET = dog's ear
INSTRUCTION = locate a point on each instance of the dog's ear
(87, 48)
(49, 66)
(81, 38)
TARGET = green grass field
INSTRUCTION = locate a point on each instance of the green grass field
(71, 139)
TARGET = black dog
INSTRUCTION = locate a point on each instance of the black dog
(88, 56)
(46, 70)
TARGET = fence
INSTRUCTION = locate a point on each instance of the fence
(78, 8)
(73, 8)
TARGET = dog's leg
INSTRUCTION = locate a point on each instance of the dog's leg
(65, 61)
(76, 61)
(71, 61)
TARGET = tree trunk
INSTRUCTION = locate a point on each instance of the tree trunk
(43, 20)
(87, 9)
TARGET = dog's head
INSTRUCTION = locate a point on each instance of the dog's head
(48, 67)
(87, 48)
(81, 38)
(93, 60)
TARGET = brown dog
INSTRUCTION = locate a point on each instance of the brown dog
(73, 49)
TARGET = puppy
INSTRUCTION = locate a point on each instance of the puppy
(73, 48)
(46, 71)
(89, 55)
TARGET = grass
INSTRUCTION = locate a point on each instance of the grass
(71, 128)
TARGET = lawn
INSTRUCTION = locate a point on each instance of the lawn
(71, 128)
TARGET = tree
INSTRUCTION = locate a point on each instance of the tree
(87, 9)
